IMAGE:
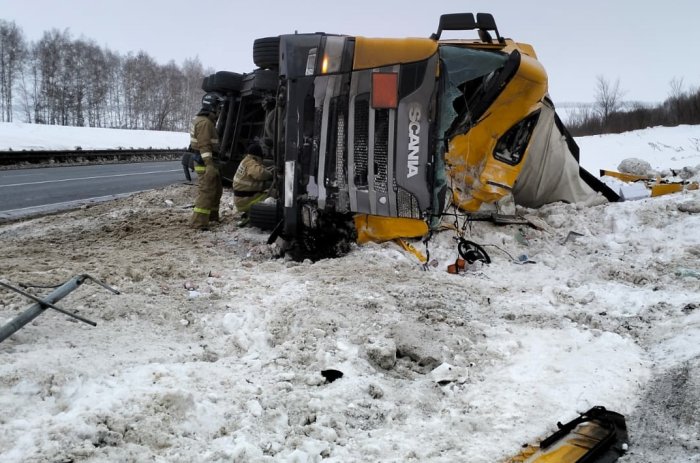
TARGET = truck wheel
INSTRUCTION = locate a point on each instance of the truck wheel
(265, 80)
(266, 52)
(263, 216)
(223, 81)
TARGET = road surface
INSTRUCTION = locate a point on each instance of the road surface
(25, 192)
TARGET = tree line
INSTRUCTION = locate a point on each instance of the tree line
(611, 114)
(64, 81)
(59, 80)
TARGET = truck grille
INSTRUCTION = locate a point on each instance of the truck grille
(381, 150)
(407, 205)
(361, 151)
(340, 160)
(370, 154)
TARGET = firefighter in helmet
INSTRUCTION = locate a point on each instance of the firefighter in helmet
(204, 143)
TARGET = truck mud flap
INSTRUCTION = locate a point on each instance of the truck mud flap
(596, 436)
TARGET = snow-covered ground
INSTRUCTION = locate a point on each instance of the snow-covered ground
(18, 136)
(664, 148)
(214, 349)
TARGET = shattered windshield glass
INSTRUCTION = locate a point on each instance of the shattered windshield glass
(465, 71)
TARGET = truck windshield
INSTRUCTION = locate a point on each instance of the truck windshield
(466, 72)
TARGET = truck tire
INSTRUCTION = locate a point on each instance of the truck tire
(264, 80)
(264, 216)
(266, 52)
(223, 81)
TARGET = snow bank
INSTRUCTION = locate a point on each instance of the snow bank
(17, 136)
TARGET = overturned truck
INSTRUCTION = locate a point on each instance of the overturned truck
(375, 138)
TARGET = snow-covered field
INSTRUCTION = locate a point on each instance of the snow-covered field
(214, 349)
(18, 136)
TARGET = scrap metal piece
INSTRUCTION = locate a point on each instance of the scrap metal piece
(49, 301)
(105, 286)
(47, 304)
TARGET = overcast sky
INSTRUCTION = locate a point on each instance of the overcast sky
(644, 44)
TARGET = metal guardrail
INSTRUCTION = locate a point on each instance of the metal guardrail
(24, 158)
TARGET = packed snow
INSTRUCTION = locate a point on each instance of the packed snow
(20, 136)
(216, 348)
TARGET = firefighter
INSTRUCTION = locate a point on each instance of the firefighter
(204, 142)
(251, 182)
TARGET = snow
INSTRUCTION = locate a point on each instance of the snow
(214, 349)
(664, 148)
(18, 136)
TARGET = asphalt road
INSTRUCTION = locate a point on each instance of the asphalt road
(25, 192)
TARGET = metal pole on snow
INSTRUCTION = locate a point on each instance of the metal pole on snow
(41, 305)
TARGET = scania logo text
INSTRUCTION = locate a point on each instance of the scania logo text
(414, 113)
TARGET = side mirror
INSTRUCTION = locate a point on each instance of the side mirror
(485, 23)
(465, 22)
(455, 22)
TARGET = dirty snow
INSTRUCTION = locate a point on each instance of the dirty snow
(215, 348)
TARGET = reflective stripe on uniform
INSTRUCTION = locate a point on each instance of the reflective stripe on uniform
(206, 155)
(200, 169)
(201, 210)
(195, 142)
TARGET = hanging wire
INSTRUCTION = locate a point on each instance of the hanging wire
(500, 249)
(31, 285)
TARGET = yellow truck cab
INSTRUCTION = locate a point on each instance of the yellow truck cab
(374, 138)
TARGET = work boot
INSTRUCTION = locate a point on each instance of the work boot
(199, 221)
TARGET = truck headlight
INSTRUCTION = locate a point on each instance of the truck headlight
(332, 54)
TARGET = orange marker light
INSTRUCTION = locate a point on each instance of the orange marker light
(385, 92)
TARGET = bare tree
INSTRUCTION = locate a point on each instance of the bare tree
(115, 90)
(63, 81)
(608, 98)
(170, 94)
(675, 88)
(193, 72)
(29, 87)
(50, 54)
(95, 83)
(12, 54)
(139, 77)
(675, 100)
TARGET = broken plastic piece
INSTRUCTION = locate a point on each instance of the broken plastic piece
(458, 266)
(572, 236)
(596, 436)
